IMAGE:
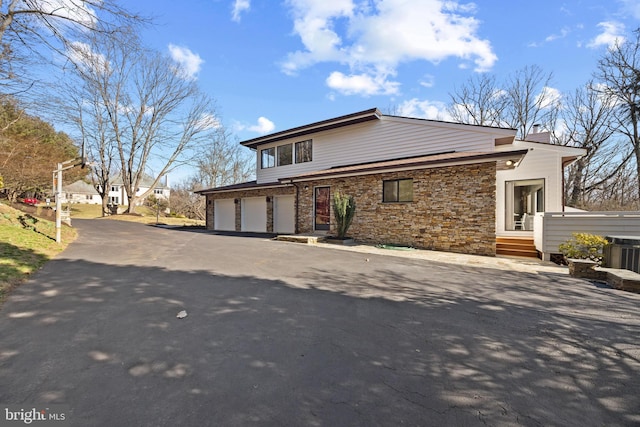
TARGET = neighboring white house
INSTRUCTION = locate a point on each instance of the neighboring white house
(82, 192)
(424, 183)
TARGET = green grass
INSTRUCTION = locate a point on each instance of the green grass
(26, 243)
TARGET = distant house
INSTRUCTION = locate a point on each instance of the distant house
(80, 192)
(422, 183)
(118, 195)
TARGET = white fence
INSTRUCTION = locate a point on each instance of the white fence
(553, 228)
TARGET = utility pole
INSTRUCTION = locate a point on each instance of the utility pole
(68, 164)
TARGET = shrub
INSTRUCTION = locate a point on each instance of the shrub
(584, 246)
(344, 208)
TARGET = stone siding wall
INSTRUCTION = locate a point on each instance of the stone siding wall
(453, 209)
(266, 192)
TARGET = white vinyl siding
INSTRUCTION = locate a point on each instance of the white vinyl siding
(224, 215)
(254, 214)
(284, 215)
(539, 163)
(388, 138)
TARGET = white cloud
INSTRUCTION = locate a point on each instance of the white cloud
(373, 38)
(362, 84)
(189, 62)
(549, 97)
(239, 6)
(263, 126)
(68, 10)
(611, 33)
(208, 121)
(83, 56)
(425, 109)
(427, 80)
(631, 7)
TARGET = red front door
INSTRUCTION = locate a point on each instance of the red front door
(322, 208)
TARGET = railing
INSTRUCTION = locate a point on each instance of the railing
(553, 228)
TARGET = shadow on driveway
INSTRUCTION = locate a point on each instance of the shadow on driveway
(321, 346)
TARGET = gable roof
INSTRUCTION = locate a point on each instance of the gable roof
(145, 181)
(80, 187)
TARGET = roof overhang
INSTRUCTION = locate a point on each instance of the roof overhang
(252, 185)
(301, 131)
(505, 160)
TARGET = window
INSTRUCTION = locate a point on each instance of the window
(114, 188)
(285, 155)
(398, 190)
(156, 191)
(268, 158)
(303, 151)
(114, 200)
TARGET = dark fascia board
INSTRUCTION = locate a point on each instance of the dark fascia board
(349, 119)
(251, 185)
(425, 163)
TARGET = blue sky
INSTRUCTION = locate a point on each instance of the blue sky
(272, 65)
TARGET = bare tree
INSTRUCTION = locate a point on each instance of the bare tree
(185, 202)
(530, 100)
(619, 71)
(478, 101)
(156, 115)
(223, 162)
(586, 117)
(524, 99)
(29, 26)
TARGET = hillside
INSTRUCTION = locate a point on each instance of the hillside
(26, 243)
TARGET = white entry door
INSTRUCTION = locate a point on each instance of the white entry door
(284, 214)
(254, 214)
(224, 215)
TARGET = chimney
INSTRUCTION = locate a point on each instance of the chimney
(536, 128)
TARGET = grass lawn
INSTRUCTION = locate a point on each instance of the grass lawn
(26, 243)
(144, 215)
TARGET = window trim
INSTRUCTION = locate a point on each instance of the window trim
(397, 184)
(290, 159)
(264, 152)
(299, 144)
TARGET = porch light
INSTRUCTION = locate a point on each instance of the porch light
(509, 162)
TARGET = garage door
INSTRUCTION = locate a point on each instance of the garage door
(224, 215)
(284, 215)
(254, 214)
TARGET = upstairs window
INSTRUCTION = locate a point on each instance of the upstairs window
(268, 158)
(397, 190)
(285, 155)
(303, 151)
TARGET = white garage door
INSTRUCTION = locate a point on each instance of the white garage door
(284, 214)
(224, 215)
(254, 214)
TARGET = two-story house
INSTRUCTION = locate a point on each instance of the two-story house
(422, 183)
(118, 195)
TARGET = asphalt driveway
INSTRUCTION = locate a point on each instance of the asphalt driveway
(284, 334)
